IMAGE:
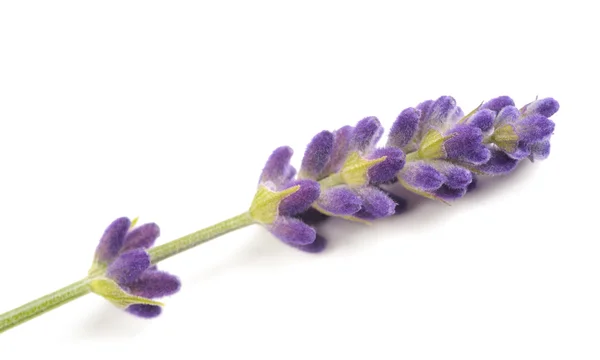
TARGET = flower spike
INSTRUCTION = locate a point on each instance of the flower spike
(433, 150)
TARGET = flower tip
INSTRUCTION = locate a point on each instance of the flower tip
(366, 134)
(339, 200)
(315, 247)
(112, 240)
(498, 103)
(144, 310)
(483, 119)
(387, 169)
(300, 200)
(292, 231)
(317, 155)
(404, 128)
(278, 168)
(128, 266)
(545, 107)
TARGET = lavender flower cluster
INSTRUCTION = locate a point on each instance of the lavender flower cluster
(130, 281)
(433, 150)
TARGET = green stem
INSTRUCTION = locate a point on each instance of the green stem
(62, 296)
(162, 252)
(42, 305)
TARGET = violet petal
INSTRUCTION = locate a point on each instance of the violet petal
(422, 176)
(315, 247)
(466, 145)
(376, 202)
(302, 199)
(545, 107)
(144, 310)
(366, 134)
(499, 163)
(155, 284)
(534, 128)
(448, 193)
(112, 240)
(278, 169)
(339, 200)
(404, 128)
(498, 103)
(317, 155)
(540, 150)
(341, 146)
(292, 231)
(142, 236)
(483, 119)
(128, 266)
(387, 169)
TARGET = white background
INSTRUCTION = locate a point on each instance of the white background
(168, 110)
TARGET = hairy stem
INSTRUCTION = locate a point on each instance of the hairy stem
(161, 252)
(77, 289)
(42, 305)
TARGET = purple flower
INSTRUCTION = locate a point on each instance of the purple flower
(348, 165)
(518, 134)
(123, 258)
(433, 149)
(280, 199)
(444, 147)
(438, 137)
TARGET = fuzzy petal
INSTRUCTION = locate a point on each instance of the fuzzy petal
(340, 200)
(128, 266)
(366, 134)
(317, 155)
(499, 163)
(404, 128)
(155, 284)
(448, 193)
(142, 236)
(545, 107)
(498, 103)
(278, 170)
(457, 177)
(292, 231)
(534, 128)
(302, 199)
(376, 202)
(315, 247)
(466, 145)
(112, 240)
(388, 169)
(540, 150)
(341, 146)
(483, 119)
(508, 115)
(442, 111)
(144, 311)
(422, 176)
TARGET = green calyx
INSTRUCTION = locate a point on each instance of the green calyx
(506, 138)
(355, 170)
(112, 292)
(265, 206)
(432, 145)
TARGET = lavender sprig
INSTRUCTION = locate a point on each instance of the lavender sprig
(433, 150)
